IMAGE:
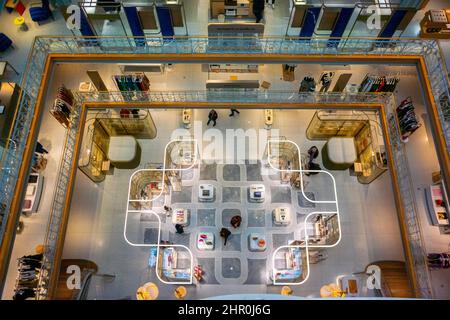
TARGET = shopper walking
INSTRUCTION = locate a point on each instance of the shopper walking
(212, 116)
(179, 228)
(233, 111)
(168, 210)
(236, 221)
(258, 9)
(40, 148)
(225, 233)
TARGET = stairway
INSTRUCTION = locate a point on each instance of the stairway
(394, 279)
(87, 268)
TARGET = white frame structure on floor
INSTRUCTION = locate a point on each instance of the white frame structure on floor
(306, 246)
(195, 162)
(158, 244)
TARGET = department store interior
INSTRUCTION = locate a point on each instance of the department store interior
(218, 176)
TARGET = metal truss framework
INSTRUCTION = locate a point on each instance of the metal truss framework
(16, 160)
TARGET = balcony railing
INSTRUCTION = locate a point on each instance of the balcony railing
(428, 49)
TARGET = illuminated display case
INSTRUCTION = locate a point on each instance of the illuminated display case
(372, 156)
(365, 129)
(327, 124)
(94, 152)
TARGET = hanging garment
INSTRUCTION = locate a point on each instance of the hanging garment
(439, 260)
(307, 85)
(23, 294)
(326, 81)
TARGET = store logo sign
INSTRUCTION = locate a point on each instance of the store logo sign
(374, 20)
(73, 21)
(73, 282)
(374, 277)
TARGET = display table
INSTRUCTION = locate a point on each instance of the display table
(293, 270)
(286, 291)
(148, 291)
(438, 205)
(20, 22)
(257, 242)
(282, 216)
(180, 292)
(169, 266)
(205, 241)
(339, 153)
(268, 118)
(206, 193)
(33, 193)
(187, 118)
(180, 216)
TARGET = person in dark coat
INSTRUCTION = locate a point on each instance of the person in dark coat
(236, 221)
(179, 228)
(225, 233)
(212, 116)
(258, 9)
(233, 111)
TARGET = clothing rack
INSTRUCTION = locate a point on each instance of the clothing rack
(29, 268)
(438, 260)
(135, 82)
(407, 118)
(63, 106)
(308, 84)
(373, 83)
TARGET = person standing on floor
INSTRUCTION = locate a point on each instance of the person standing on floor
(258, 9)
(212, 116)
(233, 111)
(179, 228)
(236, 221)
(168, 210)
(225, 233)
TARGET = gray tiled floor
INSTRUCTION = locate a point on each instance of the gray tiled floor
(231, 267)
(254, 172)
(233, 243)
(256, 218)
(209, 268)
(151, 236)
(183, 196)
(281, 239)
(231, 172)
(206, 217)
(183, 239)
(231, 194)
(281, 194)
(208, 172)
(257, 271)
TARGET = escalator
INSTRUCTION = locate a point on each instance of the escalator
(88, 269)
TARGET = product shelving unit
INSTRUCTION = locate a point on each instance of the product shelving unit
(147, 185)
(438, 205)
